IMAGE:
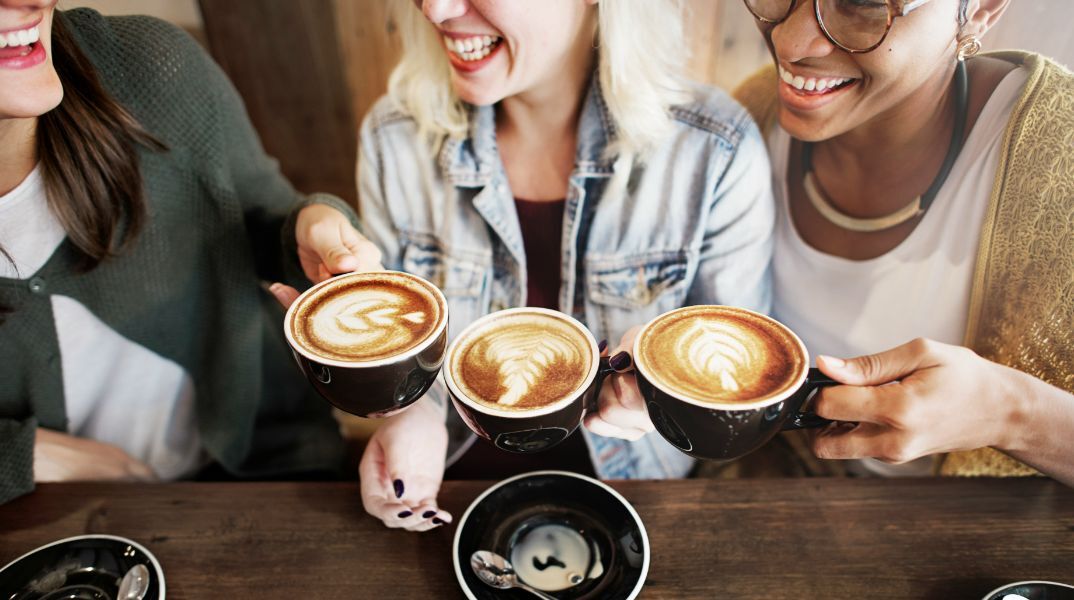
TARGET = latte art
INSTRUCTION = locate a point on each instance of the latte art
(716, 351)
(366, 317)
(521, 360)
(720, 354)
(373, 318)
(524, 360)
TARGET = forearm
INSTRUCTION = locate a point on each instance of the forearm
(1041, 427)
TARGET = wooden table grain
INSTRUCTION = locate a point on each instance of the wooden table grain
(803, 538)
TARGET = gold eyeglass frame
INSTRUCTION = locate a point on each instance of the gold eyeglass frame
(896, 8)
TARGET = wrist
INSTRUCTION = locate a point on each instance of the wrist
(1017, 409)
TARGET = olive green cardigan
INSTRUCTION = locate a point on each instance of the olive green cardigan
(1022, 300)
(189, 288)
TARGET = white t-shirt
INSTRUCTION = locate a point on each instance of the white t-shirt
(921, 288)
(115, 390)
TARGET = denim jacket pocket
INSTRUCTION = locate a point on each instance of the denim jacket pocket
(628, 291)
(458, 275)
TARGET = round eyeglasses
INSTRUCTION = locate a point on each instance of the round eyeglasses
(855, 26)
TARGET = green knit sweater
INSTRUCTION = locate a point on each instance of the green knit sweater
(189, 288)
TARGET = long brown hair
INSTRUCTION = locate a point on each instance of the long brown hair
(88, 148)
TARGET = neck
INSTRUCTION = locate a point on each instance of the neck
(18, 153)
(549, 111)
(905, 144)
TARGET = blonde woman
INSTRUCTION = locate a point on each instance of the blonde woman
(551, 155)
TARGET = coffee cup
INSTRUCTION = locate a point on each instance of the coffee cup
(720, 381)
(524, 378)
(369, 343)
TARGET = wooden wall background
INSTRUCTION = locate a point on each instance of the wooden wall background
(309, 69)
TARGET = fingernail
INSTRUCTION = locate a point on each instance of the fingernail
(832, 361)
(438, 521)
(405, 514)
(275, 287)
(620, 362)
(602, 346)
(398, 484)
(428, 513)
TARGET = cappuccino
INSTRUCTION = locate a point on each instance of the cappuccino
(720, 354)
(521, 359)
(366, 317)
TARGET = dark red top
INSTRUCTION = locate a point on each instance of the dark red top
(542, 235)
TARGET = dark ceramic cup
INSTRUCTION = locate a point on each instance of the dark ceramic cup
(727, 431)
(528, 431)
(374, 388)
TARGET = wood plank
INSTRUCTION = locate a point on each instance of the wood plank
(284, 58)
(780, 539)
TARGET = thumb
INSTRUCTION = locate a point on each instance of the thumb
(337, 258)
(284, 294)
(880, 368)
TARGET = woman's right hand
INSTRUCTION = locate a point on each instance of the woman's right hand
(402, 468)
(62, 457)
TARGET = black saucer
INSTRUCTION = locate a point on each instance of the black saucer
(1034, 590)
(86, 567)
(507, 511)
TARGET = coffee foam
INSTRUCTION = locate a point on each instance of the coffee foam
(366, 317)
(521, 361)
(720, 354)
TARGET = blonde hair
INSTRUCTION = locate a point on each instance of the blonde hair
(640, 68)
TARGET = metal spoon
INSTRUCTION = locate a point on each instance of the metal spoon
(496, 571)
(134, 584)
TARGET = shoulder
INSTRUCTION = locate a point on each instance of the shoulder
(758, 94)
(134, 50)
(153, 68)
(712, 112)
(387, 113)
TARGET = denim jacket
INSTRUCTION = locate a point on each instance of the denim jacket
(693, 226)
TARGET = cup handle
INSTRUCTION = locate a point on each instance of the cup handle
(603, 371)
(815, 380)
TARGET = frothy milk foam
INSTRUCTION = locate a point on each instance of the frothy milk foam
(720, 354)
(366, 317)
(521, 360)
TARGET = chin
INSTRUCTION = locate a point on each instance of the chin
(477, 95)
(806, 130)
(30, 93)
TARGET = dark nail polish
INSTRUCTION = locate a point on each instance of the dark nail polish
(438, 521)
(405, 514)
(620, 362)
(398, 484)
(602, 346)
(428, 513)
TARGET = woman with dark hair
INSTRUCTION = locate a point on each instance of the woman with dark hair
(923, 192)
(138, 215)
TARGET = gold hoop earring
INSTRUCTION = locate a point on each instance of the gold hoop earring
(968, 47)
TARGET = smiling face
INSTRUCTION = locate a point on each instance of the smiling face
(825, 91)
(501, 49)
(29, 86)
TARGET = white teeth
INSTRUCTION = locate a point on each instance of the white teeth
(471, 48)
(818, 84)
(20, 38)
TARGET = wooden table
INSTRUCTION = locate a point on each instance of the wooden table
(803, 538)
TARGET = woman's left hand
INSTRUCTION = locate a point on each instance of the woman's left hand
(921, 398)
(620, 410)
(329, 245)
